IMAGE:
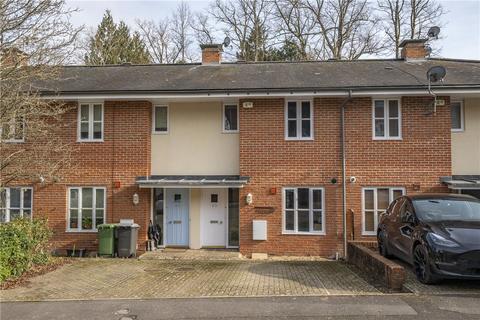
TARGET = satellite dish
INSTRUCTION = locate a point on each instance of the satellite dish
(433, 32)
(226, 42)
(436, 73)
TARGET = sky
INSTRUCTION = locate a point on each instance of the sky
(460, 34)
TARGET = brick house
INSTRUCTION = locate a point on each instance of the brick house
(286, 158)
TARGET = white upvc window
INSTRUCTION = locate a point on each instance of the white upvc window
(458, 118)
(303, 210)
(86, 208)
(375, 201)
(298, 120)
(13, 131)
(386, 119)
(90, 122)
(15, 203)
(230, 117)
(160, 119)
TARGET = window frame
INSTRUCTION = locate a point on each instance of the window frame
(310, 211)
(13, 126)
(21, 208)
(298, 120)
(91, 122)
(462, 116)
(375, 206)
(386, 119)
(80, 208)
(154, 113)
(224, 130)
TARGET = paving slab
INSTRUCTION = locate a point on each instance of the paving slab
(90, 279)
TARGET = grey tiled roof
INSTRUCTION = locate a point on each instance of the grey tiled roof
(273, 76)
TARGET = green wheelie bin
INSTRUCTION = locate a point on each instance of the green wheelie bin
(106, 239)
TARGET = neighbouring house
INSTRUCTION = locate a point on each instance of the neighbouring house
(283, 158)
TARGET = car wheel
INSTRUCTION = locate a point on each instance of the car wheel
(382, 244)
(421, 265)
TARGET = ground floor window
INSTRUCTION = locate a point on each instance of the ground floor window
(233, 217)
(158, 212)
(86, 208)
(15, 203)
(303, 210)
(376, 201)
(472, 192)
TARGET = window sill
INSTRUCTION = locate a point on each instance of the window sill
(299, 139)
(369, 233)
(160, 132)
(230, 131)
(292, 233)
(387, 139)
(90, 141)
(457, 130)
(81, 231)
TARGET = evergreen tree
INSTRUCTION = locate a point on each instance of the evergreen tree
(114, 44)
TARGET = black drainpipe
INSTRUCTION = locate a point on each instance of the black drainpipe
(344, 172)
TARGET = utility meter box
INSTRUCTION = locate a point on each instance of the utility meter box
(259, 230)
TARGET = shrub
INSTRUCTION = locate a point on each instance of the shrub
(23, 243)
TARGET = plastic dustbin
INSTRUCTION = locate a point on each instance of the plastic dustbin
(106, 239)
(127, 235)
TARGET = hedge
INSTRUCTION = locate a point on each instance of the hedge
(23, 244)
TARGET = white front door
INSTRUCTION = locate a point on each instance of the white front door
(213, 217)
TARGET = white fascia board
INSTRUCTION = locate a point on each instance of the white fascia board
(246, 95)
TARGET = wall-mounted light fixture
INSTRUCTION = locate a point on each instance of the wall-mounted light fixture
(249, 199)
(136, 199)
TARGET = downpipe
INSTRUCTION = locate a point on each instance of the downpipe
(344, 171)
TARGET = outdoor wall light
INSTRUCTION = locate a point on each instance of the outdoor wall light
(136, 199)
(249, 199)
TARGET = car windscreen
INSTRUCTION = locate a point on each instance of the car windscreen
(447, 209)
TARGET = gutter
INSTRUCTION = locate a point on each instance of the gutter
(344, 171)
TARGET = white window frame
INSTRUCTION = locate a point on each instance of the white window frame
(13, 128)
(386, 118)
(310, 209)
(299, 119)
(375, 206)
(462, 117)
(21, 208)
(94, 209)
(154, 113)
(90, 122)
(224, 130)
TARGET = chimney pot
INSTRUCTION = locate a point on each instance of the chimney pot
(414, 49)
(211, 53)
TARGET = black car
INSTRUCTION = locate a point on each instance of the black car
(439, 234)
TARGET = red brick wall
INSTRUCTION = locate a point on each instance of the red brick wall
(420, 158)
(124, 155)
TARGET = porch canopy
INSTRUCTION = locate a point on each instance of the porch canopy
(462, 182)
(213, 181)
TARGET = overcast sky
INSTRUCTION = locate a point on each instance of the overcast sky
(460, 35)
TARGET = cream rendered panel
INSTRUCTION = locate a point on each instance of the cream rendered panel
(195, 196)
(466, 144)
(195, 143)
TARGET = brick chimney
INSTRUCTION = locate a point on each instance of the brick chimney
(211, 53)
(414, 49)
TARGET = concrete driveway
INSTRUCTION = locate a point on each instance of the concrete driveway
(87, 279)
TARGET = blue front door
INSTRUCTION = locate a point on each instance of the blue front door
(177, 217)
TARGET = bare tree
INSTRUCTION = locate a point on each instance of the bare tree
(248, 23)
(35, 38)
(408, 19)
(203, 28)
(157, 38)
(295, 22)
(348, 28)
(181, 32)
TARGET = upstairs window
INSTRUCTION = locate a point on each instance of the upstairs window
(387, 122)
(15, 203)
(298, 120)
(13, 131)
(160, 119)
(230, 118)
(457, 116)
(90, 116)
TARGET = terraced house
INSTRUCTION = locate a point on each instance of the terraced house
(287, 158)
